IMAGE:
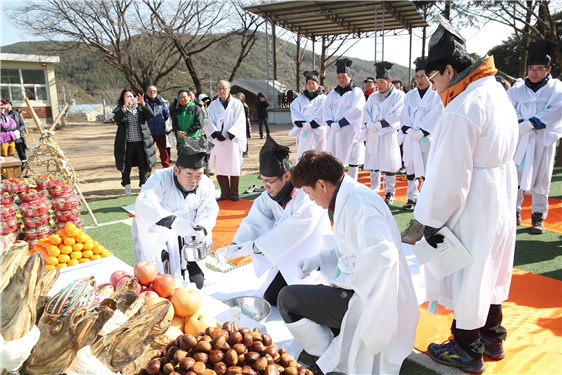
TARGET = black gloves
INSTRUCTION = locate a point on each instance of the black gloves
(384, 123)
(405, 129)
(230, 136)
(299, 123)
(167, 221)
(431, 237)
(314, 124)
(221, 137)
(218, 135)
(425, 134)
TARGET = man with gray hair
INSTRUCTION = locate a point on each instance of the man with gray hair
(226, 128)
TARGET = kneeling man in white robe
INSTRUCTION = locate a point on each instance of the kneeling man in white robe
(282, 227)
(365, 321)
(175, 206)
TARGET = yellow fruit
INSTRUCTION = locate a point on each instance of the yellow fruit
(48, 267)
(62, 265)
(97, 249)
(76, 255)
(106, 253)
(69, 241)
(63, 258)
(88, 245)
(186, 302)
(70, 226)
(73, 262)
(66, 249)
(52, 261)
(94, 257)
(78, 247)
(53, 251)
(87, 253)
(83, 260)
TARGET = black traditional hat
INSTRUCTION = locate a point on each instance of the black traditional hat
(383, 69)
(274, 159)
(540, 52)
(343, 65)
(420, 63)
(313, 75)
(192, 152)
(369, 79)
(446, 42)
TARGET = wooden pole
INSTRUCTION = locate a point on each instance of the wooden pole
(34, 115)
(58, 118)
(86, 204)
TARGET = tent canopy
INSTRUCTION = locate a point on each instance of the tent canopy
(318, 18)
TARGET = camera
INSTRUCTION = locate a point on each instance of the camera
(132, 100)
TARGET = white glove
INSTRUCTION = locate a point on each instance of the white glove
(183, 227)
(17, 134)
(525, 127)
(377, 125)
(241, 250)
(306, 266)
(414, 134)
(306, 127)
(335, 127)
(371, 126)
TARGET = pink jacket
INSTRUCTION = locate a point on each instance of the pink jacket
(8, 125)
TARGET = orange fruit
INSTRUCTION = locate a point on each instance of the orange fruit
(83, 260)
(87, 253)
(61, 232)
(55, 239)
(63, 258)
(76, 255)
(72, 232)
(69, 241)
(73, 262)
(53, 251)
(52, 261)
(36, 248)
(88, 245)
(43, 239)
(94, 257)
(106, 253)
(78, 247)
(48, 267)
(97, 249)
(70, 226)
(81, 238)
(66, 249)
(62, 265)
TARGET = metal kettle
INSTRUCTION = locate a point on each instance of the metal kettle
(195, 250)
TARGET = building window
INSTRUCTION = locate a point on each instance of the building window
(15, 82)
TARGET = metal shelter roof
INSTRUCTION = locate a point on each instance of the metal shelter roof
(318, 18)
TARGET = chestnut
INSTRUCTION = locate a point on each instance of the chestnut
(172, 352)
(228, 327)
(247, 340)
(199, 368)
(168, 368)
(187, 342)
(220, 368)
(286, 359)
(204, 346)
(240, 348)
(234, 370)
(230, 358)
(216, 356)
(256, 336)
(153, 367)
(251, 357)
(180, 354)
(247, 370)
(266, 339)
(187, 363)
(234, 338)
(218, 341)
(218, 332)
(260, 364)
(200, 357)
(244, 330)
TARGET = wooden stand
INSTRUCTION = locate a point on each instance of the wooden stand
(12, 166)
(57, 159)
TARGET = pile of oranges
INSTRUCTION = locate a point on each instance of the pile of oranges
(70, 246)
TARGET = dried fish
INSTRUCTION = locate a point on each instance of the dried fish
(15, 256)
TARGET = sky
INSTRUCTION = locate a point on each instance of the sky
(396, 47)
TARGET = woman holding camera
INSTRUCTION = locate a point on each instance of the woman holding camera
(134, 145)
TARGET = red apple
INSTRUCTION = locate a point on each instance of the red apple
(146, 272)
(148, 295)
(115, 276)
(102, 285)
(122, 280)
(164, 285)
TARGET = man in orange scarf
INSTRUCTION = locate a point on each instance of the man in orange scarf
(474, 140)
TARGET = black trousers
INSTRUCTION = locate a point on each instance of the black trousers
(320, 303)
(274, 288)
(263, 121)
(135, 153)
(20, 148)
(469, 340)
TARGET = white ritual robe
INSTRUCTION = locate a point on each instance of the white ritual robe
(419, 114)
(159, 198)
(226, 156)
(304, 109)
(382, 151)
(379, 328)
(284, 236)
(536, 149)
(474, 142)
(343, 144)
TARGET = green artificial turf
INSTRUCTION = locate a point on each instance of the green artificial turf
(107, 210)
(245, 182)
(412, 368)
(556, 184)
(117, 239)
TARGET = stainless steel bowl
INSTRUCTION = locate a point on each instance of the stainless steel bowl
(254, 308)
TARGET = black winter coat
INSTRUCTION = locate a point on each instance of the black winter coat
(120, 146)
(261, 108)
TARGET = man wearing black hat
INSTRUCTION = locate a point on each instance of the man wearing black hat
(422, 109)
(306, 114)
(343, 112)
(470, 188)
(176, 205)
(282, 227)
(382, 121)
(538, 104)
(370, 87)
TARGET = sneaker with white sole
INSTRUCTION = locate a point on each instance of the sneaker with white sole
(450, 354)
(128, 190)
(250, 190)
(389, 199)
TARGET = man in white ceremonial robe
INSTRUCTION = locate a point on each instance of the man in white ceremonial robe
(343, 113)
(226, 128)
(474, 142)
(282, 227)
(306, 114)
(538, 104)
(176, 205)
(365, 321)
(382, 122)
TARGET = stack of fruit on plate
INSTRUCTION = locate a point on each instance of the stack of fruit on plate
(65, 204)
(36, 216)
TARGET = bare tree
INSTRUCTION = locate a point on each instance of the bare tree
(335, 43)
(111, 29)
